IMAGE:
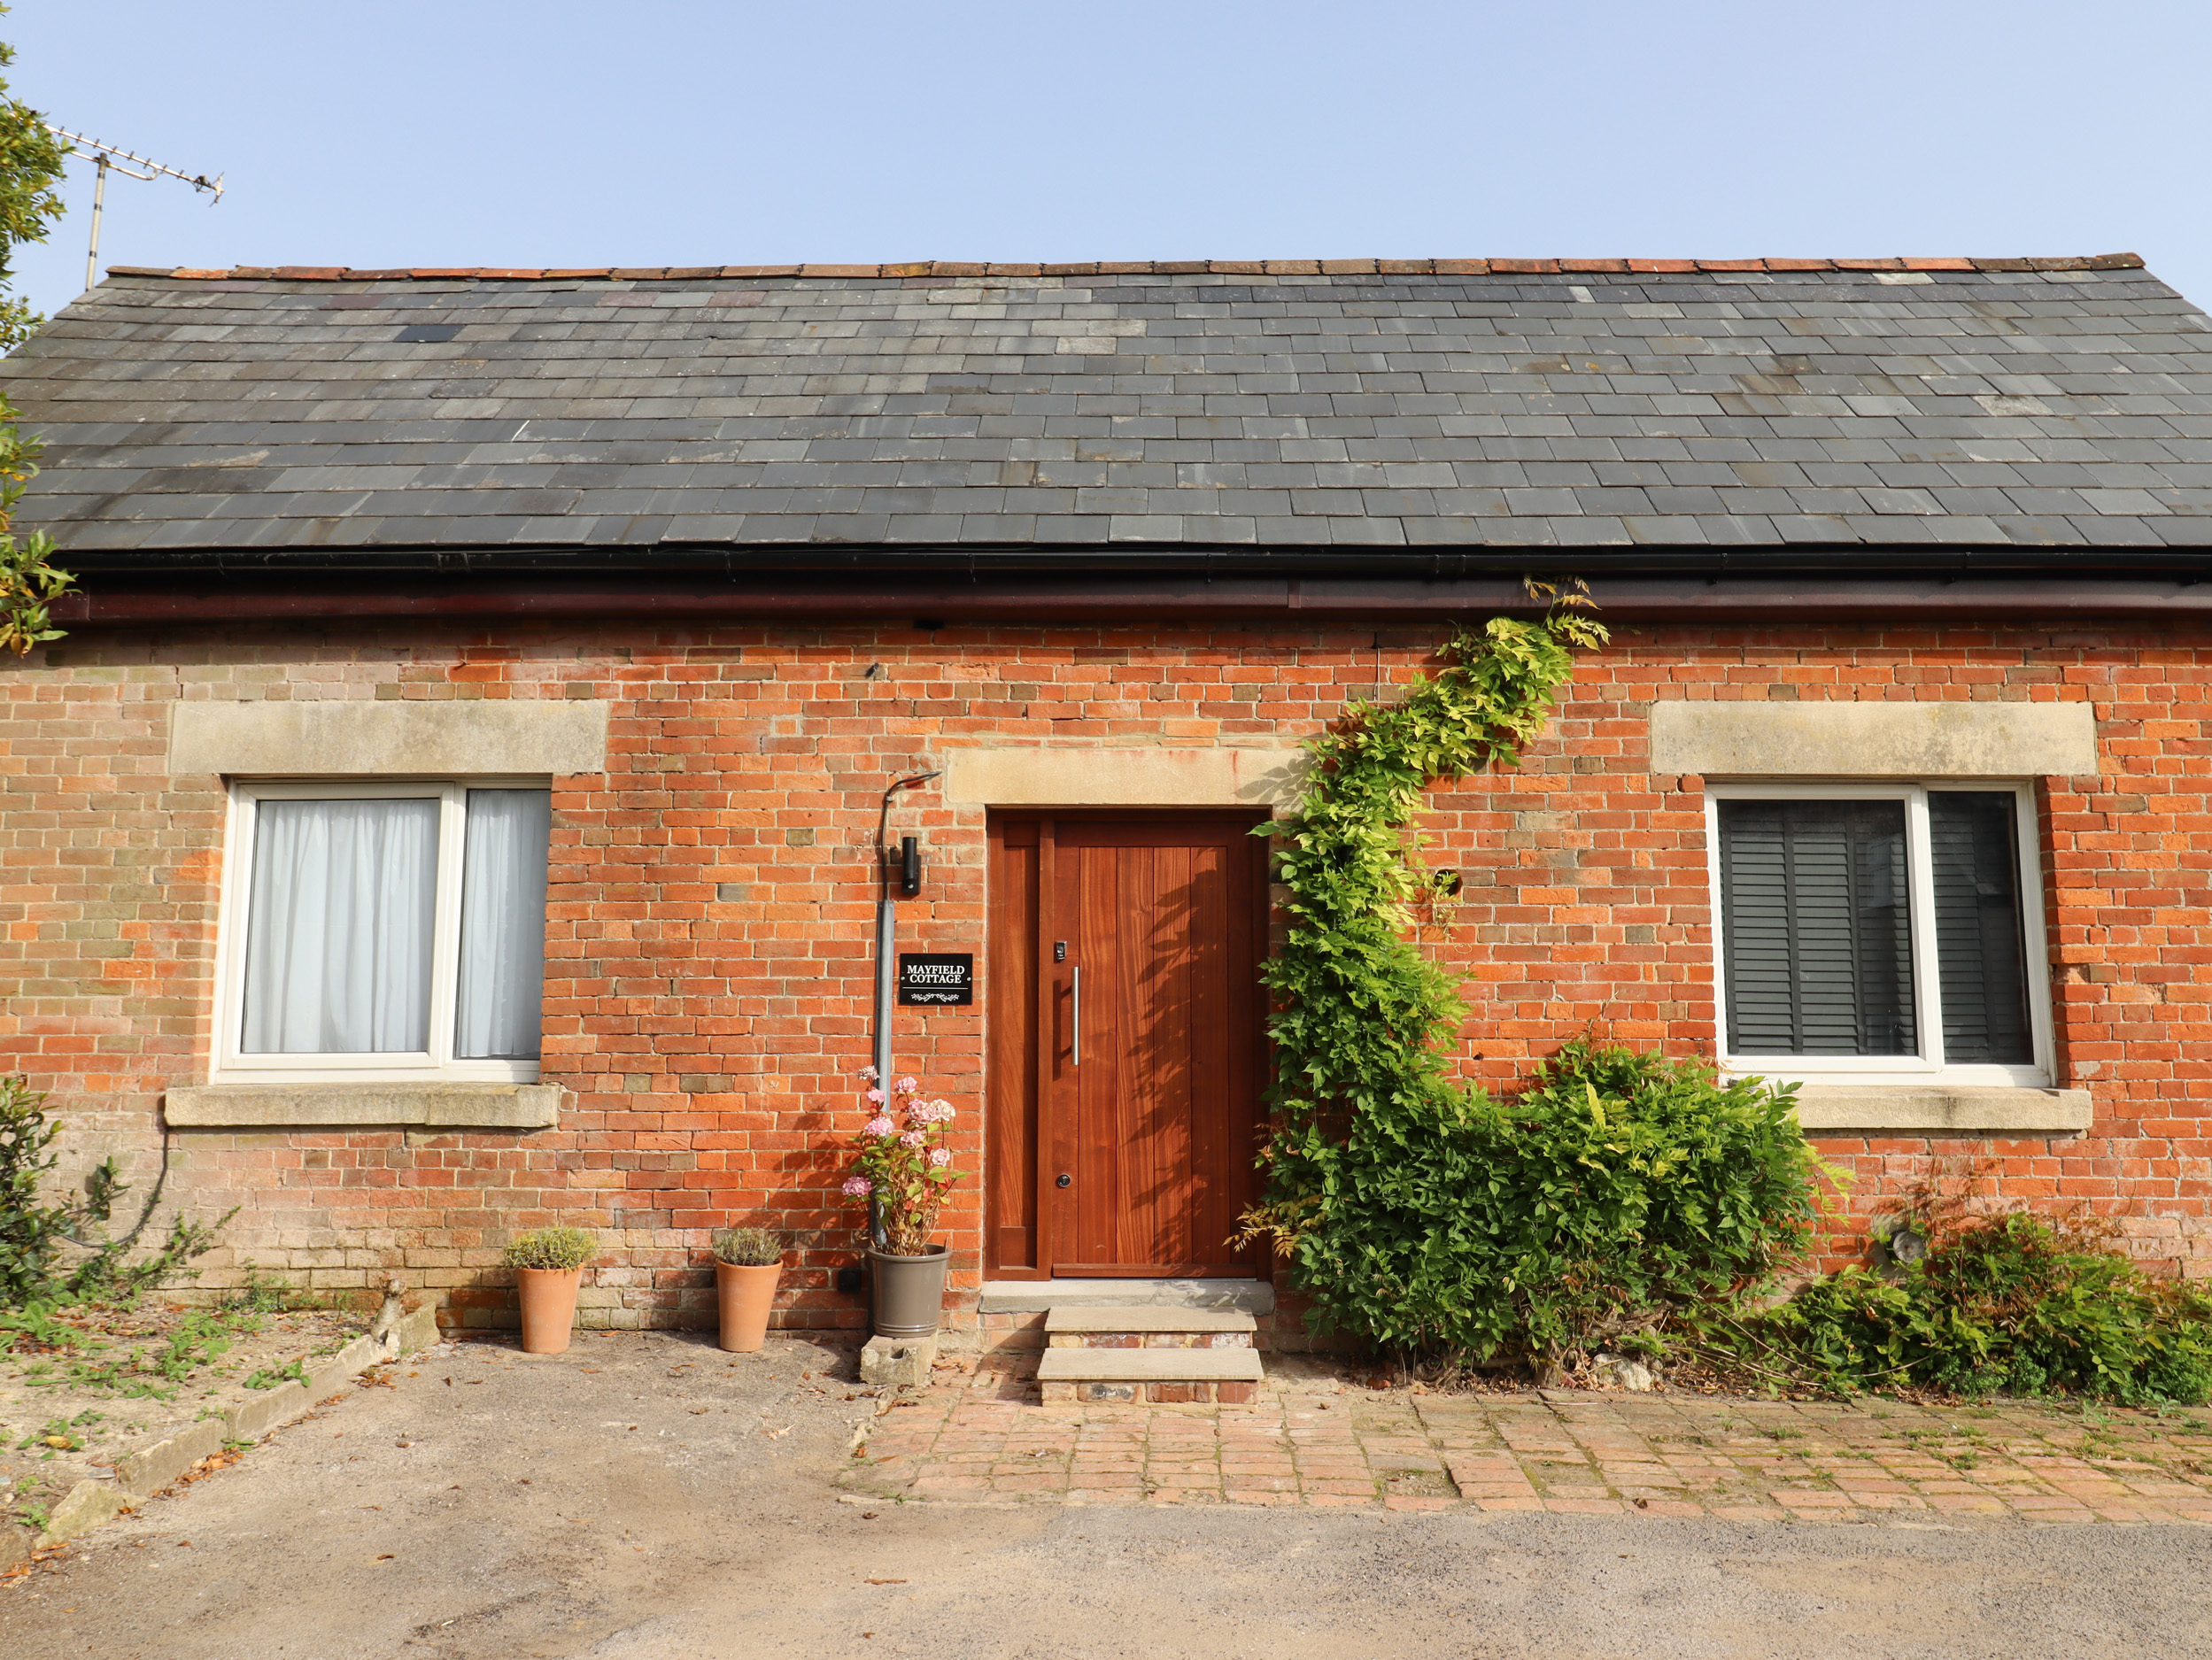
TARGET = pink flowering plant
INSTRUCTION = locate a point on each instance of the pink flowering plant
(901, 1161)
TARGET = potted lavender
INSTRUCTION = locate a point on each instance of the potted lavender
(548, 1265)
(902, 1167)
(747, 1264)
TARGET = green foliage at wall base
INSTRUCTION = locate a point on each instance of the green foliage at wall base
(2006, 1303)
(1616, 1190)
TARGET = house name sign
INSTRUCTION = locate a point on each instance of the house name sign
(934, 978)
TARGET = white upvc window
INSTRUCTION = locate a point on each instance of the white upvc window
(1873, 933)
(387, 932)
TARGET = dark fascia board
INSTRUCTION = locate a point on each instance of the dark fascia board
(1187, 598)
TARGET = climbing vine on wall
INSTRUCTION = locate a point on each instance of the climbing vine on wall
(1360, 1016)
(1610, 1192)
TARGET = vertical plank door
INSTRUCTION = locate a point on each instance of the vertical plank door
(1011, 999)
(1152, 1117)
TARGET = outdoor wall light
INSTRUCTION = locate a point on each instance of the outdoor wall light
(904, 868)
(903, 865)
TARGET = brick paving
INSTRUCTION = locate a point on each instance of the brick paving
(1313, 1439)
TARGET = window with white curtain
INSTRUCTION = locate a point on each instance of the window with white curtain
(1873, 932)
(384, 930)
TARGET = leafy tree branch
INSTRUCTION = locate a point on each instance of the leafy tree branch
(29, 580)
(31, 161)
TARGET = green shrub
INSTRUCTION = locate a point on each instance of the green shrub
(35, 1237)
(2006, 1303)
(553, 1247)
(1615, 1190)
(31, 1234)
(749, 1247)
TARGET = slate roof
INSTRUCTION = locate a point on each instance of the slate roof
(1285, 406)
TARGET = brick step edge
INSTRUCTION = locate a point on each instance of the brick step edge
(1063, 1319)
(1148, 1365)
(1227, 1391)
(998, 1338)
(149, 1470)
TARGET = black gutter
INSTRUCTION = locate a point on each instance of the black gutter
(749, 562)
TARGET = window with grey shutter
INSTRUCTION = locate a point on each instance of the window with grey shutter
(1981, 968)
(1816, 928)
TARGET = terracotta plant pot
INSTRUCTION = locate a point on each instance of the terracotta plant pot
(908, 1295)
(549, 1308)
(745, 1294)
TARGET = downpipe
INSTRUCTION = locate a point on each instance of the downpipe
(888, 859)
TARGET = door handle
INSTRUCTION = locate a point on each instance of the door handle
(1079, 1015)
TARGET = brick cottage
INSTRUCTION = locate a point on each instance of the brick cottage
(455, 807)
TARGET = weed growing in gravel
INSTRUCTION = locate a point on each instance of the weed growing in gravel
(273, 1294)
(152, 1368)
(59, 1435)
(34, 1326)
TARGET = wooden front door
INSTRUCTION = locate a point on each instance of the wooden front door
(1125, 1044)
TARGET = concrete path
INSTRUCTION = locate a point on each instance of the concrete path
(648, 1498)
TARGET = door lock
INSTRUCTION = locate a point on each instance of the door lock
(1066, 1180)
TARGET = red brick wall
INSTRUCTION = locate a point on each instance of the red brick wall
(708, 984)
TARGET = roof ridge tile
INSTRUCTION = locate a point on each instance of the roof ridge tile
(1128, 267)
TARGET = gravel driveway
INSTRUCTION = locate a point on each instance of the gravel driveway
(647, 1495)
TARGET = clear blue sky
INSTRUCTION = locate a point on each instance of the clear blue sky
(660, 132)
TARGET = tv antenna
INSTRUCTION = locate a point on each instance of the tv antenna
(104, 155)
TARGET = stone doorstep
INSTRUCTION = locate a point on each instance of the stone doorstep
(149, 1470)
(1149, 1340)
(1035, 1296)
(1148, 1365)
(1083, 1319)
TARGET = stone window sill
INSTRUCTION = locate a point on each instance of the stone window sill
(1938, 1109)
(308, 1106)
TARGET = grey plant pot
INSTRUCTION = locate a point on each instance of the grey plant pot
(908, 1295)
